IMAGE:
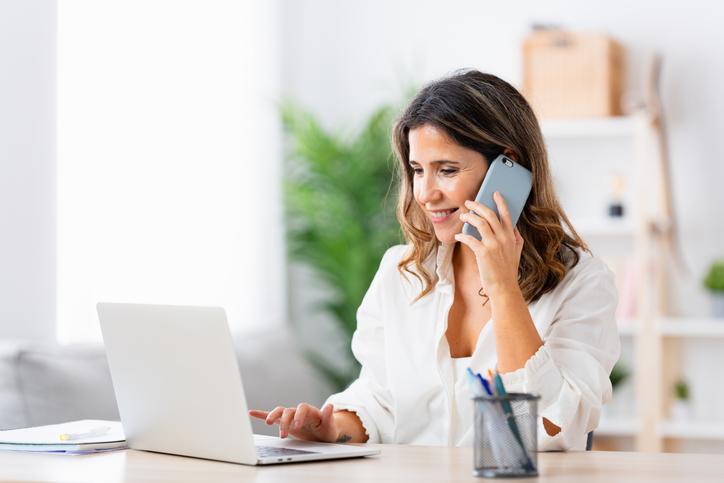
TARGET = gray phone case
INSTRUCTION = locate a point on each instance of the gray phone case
(514, 183)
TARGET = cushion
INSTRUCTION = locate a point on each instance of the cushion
(65, 383)
(12, 410)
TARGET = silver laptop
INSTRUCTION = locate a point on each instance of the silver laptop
(179, 389)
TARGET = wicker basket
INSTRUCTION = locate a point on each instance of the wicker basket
(573, 75)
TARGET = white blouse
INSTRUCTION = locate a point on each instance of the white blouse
(407, 392)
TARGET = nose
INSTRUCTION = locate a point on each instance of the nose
(427, 189)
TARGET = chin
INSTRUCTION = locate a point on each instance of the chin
(447, 236)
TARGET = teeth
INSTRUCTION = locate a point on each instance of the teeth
(440, 214)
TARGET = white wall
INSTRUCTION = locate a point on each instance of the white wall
(343, 58)
(27, 168)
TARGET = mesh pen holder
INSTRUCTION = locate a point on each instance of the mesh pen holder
(506, 439)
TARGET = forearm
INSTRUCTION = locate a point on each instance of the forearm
(349, 428)
(516, 337)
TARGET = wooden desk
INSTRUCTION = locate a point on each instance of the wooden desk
(396, 464)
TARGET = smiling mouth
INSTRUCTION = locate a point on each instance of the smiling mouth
(438, 215)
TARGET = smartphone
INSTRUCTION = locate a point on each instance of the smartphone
(514, 183)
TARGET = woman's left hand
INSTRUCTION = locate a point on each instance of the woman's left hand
(498, 252)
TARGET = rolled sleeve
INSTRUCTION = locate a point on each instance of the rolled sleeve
(357, 398)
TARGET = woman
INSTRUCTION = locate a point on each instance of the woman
(530, 302)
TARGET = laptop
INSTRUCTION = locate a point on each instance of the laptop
(179, 390)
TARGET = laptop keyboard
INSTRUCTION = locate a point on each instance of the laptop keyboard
(272, 451)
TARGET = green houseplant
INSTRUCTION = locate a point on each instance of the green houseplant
(714, 282)
(619, 373)
(681, 388)
(340, 212)
(681, 409)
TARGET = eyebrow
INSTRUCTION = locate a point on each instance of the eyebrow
(440, 161)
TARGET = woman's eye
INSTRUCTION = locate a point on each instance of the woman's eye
(417, 171)
(448, 171)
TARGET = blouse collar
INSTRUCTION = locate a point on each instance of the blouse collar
(444, 262)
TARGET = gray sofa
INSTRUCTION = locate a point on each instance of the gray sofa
(45, 383)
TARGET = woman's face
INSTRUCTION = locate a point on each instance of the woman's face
(445, 176)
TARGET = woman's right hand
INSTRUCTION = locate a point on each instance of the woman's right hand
(304, 422)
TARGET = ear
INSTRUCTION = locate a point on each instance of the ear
(511, 154)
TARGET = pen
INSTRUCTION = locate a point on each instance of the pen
(510, 416)
(89, 433)
(506, 405)
(485, 385)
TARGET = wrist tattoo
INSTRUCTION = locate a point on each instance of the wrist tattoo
(344, 438)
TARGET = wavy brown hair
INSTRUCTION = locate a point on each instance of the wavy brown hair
(486, 114)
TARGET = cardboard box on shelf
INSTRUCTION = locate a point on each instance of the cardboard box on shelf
(569, 74)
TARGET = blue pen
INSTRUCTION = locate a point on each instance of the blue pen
(485, 385)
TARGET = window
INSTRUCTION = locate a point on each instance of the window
(168, 160)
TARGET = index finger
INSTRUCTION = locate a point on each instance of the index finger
(505, 221)
(274, 416)
(254, 413)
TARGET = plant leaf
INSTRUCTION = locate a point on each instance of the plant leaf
(339, 210)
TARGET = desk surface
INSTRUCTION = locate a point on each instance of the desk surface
(395, 464)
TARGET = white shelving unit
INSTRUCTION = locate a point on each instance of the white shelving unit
(601, 127)
(692, 327)
(691, 430)
(676, 329)
(684, 327)
(582, 152)
(618, 427)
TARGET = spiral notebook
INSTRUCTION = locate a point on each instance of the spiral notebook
(47, 439)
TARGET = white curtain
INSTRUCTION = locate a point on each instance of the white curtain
(169, 159)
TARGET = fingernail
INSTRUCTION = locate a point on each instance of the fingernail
(457, 236)
(297, 424)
